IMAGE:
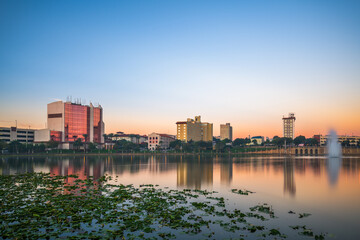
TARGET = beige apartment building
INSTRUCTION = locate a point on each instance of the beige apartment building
(226, 131)
(194, 130)
(289, 126)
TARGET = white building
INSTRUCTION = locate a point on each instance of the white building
(157, 140)
(8, 134)
(259, 140)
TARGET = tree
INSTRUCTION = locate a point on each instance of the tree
(299, 140)
(125, 146)
(52, 144)
(238, 142)
(85, 140)
(288, 141)
(110, 136)
(143, 145)
(311, 142)
(39, 147)
(78, 143)
(175, 144)
(3, 145)
(91, 146)
(278, 141)
(255, 142)
(16, 147)
(189, 146)
(202, 145)
(220, 146)
(345, 143)
(226, 140)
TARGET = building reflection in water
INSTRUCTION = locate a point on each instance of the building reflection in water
(226, 172)
(289, 179)
(193, 173)
(82, 167)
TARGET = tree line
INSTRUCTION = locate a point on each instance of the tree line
(123, 146)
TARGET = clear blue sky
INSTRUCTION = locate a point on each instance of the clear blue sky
(152, 63)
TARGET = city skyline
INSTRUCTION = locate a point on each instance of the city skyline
(151, 64)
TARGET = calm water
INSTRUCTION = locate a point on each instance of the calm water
(303, 185)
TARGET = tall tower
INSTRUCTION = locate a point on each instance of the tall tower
(289, 125)
(225, 131)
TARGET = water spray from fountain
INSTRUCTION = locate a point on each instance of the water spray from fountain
(334, 157)
(333, 145)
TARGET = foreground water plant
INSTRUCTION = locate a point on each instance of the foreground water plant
(44, 206)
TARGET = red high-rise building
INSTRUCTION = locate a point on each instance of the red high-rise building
(68, 121)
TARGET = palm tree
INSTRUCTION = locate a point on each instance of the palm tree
(85, 137)
(77, 143)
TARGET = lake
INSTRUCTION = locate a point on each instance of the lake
(327, 189)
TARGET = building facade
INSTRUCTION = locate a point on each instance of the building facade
(194, 130)
(353, 140)
(9, 134)
(259, 140)
(226, 132)
(159, 141)
(289, 126)
(134, 138)
(68, 121)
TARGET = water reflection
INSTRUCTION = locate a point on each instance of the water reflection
(308, 181)
(188, 171)
(289, 179)
(226, 172)
(333, 170)
(194, 173)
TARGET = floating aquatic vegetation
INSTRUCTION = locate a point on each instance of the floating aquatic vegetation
(265, 208)
(302, 215)
(44, 206)
(241, 192)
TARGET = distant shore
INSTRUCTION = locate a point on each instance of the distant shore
(350, 153)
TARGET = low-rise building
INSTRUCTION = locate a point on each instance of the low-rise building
(159, 141)
(134, 138)
(8, 134)
(353, 140)
(259, 140)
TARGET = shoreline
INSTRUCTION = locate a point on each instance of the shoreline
(166, 154)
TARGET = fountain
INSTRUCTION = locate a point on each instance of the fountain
(333, 145)
(334, 157)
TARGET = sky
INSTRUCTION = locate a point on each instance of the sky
(152, 63)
